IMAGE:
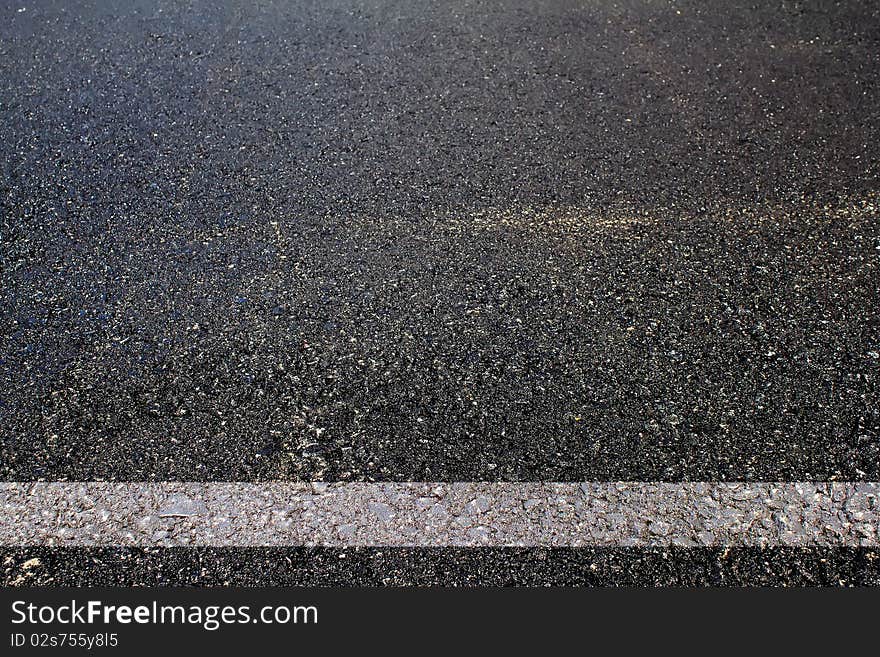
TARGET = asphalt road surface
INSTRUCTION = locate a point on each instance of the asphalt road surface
(441, 567)
(453, 241)
(461, 241)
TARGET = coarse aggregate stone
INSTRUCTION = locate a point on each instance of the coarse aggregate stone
(474, 566)
(408, 241)
(635, 514)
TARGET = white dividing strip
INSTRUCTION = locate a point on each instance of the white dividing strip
(440, 514)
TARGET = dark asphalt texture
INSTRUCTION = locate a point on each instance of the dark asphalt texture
(439, 241)
(440, 567)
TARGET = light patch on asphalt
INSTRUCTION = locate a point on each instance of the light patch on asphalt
(440, 514)
(564, 219)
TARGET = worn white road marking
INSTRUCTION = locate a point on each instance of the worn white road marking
(440, 514)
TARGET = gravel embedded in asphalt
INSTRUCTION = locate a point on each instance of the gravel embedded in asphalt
(440, 514)
(453, 241)
(290, 566)
(705, 348)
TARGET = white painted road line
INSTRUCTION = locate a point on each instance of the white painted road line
(440, 514)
